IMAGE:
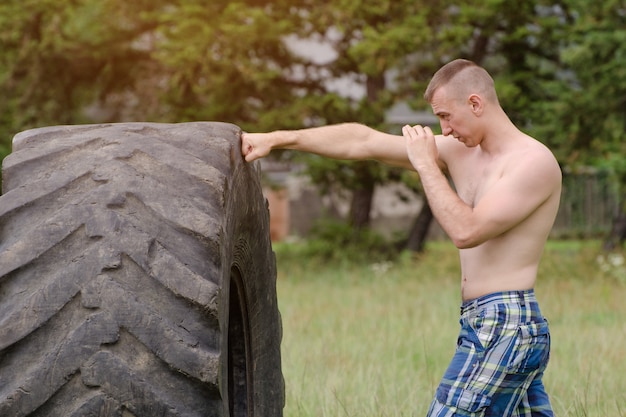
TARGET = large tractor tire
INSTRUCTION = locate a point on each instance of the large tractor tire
(136, 275)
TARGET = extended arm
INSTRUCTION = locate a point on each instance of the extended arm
(351, 141)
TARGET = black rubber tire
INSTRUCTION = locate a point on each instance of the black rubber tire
(136, 275)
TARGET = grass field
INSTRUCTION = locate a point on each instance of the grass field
(374, 339)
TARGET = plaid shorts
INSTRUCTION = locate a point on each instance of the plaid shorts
(502, 352)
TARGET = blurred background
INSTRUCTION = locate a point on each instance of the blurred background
(369, 321)
(559, 66)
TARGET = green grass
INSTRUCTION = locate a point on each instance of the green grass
(374, 339)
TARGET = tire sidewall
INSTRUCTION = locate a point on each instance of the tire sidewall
(251, 255)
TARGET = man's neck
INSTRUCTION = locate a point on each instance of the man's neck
(500, 138)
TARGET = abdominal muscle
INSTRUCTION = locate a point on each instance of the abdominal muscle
(494, 267)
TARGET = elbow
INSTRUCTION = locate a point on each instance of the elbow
(466, 239)
(464, 244)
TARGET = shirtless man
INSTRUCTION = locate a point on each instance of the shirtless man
(506, 195)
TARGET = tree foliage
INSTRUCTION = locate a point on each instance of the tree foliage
(587, 117)
(77, 61)
(559, 67)
(369, 40)
(60, 56)
(393, 48)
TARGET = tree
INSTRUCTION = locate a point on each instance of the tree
(393, 48)
(183, 60)
(228, 61)
(70, 62)
(368, 40)
(586, 117)
(60, 56)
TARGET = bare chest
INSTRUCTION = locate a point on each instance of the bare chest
(473, 178)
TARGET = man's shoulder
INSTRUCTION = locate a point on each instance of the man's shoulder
(540, 153)
(536, 161)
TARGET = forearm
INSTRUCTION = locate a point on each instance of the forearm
(341, 141)
(452, 213)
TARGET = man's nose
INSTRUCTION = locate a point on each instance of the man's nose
(445, 129)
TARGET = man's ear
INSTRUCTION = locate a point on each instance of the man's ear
(476, 103)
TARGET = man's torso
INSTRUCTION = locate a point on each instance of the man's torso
(508, 261)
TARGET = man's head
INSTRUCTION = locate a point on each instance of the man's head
(462, 78)
(461, 93)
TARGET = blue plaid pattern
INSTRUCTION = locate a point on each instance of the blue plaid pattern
(502, 351)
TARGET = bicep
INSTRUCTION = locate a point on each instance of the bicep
(386, 148)
(511, 200)
(391, 150)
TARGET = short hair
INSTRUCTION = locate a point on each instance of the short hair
(466, 77)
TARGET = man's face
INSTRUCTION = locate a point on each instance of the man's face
(455, 116)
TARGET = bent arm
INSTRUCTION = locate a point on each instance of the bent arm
(529, 181)
(351, 141)
(507, 203)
